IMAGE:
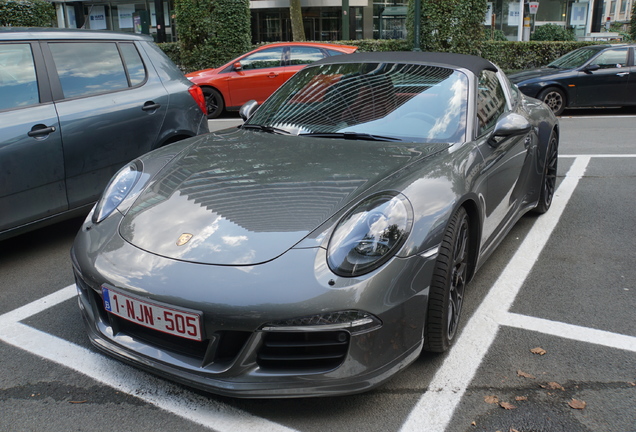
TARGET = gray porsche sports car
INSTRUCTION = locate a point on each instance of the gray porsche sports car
(321, 246)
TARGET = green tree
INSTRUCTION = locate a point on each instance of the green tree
(450, 25)
(26, 13)
(296, 15)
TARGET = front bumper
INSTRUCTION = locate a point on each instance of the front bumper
(236, 357)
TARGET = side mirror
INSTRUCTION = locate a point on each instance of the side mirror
(248, 109)
(237, 66)
(591, 68)
(508, 125)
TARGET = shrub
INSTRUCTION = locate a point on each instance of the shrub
(211, 32)
(632, 27)
(514, 55)
(26, 13)
(450, 25)
(552, 32)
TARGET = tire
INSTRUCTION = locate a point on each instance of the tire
(554, 98)
(448, 285)
(548, 181)
(213, 102)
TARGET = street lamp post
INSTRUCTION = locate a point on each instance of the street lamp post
(416, 25)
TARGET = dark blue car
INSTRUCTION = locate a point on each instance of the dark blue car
(599, 75)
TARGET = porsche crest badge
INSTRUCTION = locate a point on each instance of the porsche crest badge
(183, 239)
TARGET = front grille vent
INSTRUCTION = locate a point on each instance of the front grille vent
(303, 351)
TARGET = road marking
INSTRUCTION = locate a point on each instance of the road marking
(569, 331)
(597, 156)
(435, 408)
(199, 409)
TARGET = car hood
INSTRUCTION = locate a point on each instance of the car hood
(537, 73)
(245, 197)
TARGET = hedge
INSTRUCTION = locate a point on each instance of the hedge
(506, 54)
(26, 13)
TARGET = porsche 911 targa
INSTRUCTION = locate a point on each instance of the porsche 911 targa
(321, 246)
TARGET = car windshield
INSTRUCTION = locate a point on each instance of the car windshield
(377, 101)
(574, 59)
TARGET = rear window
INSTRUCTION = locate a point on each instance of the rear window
(89, 68)
(18, 84)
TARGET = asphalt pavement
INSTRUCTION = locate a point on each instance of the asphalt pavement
(548, 340)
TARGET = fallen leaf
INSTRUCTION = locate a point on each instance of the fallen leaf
(77, 402)
(577, 404)
(553, 386)
(525, 374)
(633, 384)
(538, 350)
(521, 398)
(506, 405)
(473, 424)
(491, 399)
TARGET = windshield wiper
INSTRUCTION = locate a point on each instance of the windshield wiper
(350, 135)
(268, 129)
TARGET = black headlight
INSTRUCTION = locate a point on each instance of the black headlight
(370, 234)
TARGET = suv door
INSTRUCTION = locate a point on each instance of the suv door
(32, 182)
(110, 90)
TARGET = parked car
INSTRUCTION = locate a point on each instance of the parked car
(257, 74)
(600, 75)
(75, 106)
(318, 248)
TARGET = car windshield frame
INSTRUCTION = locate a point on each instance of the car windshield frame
(575, 59)
(370, 101)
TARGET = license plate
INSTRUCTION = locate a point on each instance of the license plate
(178, 322)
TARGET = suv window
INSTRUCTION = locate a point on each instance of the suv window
(89, 68)
(491, 101)
(614, 58)
(18, 84)
(134, 65)
(304, 55)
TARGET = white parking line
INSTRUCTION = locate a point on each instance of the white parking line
(435, 408)
(199, 409)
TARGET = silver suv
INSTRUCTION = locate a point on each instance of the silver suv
(75, 106)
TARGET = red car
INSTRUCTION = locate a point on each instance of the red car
(257, 74)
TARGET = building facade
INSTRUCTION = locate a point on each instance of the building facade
(368, 19)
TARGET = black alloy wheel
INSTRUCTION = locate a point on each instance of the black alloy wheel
(548, 183)
(554, 98)
(448, 285)
(213, 102)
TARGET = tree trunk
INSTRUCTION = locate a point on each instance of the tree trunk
(296, 15)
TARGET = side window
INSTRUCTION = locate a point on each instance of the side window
(88, 68)
(18, 84)
(304, 55)
(491, 101)
(334, 52)
(614, 58)
(263, 59)
(134, 65)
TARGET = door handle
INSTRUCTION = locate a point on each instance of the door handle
(622, 74)
(40, 130)
(272, 75)
(151, 106)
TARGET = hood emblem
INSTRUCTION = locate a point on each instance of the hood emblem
(183, 239)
